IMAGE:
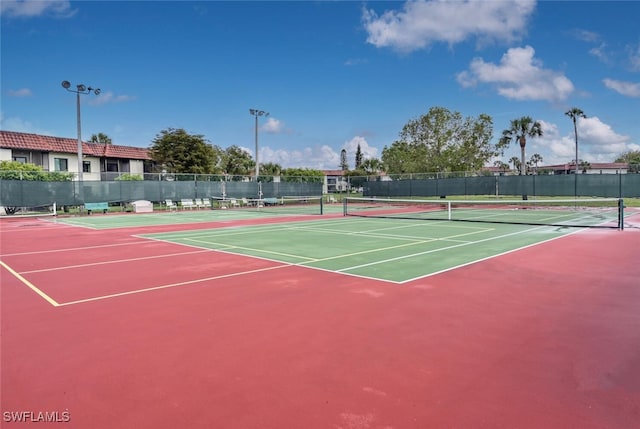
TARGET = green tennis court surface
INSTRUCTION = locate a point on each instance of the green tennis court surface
(395, 250)
(100, 221)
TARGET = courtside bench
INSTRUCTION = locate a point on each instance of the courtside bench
(89, 207)
(271, 201)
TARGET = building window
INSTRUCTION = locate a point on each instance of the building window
(86, 166)
(112, 165)
(21, 159)
(60, 164)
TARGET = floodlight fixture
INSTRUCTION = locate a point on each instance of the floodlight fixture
(257, 113)
(80, 89)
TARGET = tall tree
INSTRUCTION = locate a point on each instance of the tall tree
(401, 157)
(441, 140)
(180, 152)
(305, 175)
(344, 165)
(519, 130)
(358, 157)
(237, 161)
(371, 166)
(574, 113)
(631, 157)
(100, 138)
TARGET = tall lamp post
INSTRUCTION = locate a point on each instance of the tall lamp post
(80, 89)
(256, 113)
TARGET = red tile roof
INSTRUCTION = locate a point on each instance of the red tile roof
(26, 141)
(333, 172)
(592, 166)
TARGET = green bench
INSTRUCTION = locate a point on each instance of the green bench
(89, 207)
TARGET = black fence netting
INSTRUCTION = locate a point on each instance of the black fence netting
(585, 185)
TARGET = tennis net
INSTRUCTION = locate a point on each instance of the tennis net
(34, 211)
(594, 212)
(285, 205)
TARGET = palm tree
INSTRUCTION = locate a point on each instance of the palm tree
(584, 166)
(100, 138)
(503, 166)
(535, 159)
(574, 113)
(270, 169)
(519, 130)
(371, 166)
(516, 162)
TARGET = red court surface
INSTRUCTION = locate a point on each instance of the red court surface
(149, 335)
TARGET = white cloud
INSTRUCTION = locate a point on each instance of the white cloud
(601, 53)
(586, 35)
(351, 147)
(597, 142)
(629, 89)
(355, 61)
(32, 8)
(21, 126)
(519, 76)
(318, 157)
(322, 157)
(421, 23)
(23, 92)
(273, 126)
(108, 97)
(634, 57)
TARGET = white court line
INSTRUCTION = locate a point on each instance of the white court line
(285, 265)
(30, 285)
(114, 261)
(382, 249)
(490, 257)
(72, 249)
(414, 242)
(232, 246)
(447, 248)
(168, 286)
(372, 232)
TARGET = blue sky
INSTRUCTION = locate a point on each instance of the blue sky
(332, 74)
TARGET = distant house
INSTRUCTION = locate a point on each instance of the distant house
(100, 161)
(592, 168)
(334, 181)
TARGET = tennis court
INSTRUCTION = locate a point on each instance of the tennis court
(309, 206)
(397, 251)
(240, 318)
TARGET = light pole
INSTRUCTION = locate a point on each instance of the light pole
(256, 113)
(80, 89)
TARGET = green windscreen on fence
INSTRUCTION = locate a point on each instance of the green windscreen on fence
(25, 193)
(563, 185)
